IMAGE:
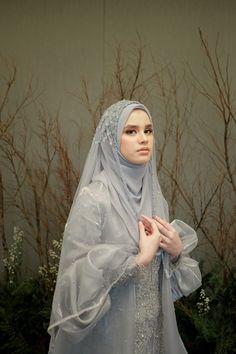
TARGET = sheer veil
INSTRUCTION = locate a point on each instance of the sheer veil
(101, 240)
(106, 165)
(104, 155)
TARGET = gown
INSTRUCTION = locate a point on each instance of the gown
(104, 302)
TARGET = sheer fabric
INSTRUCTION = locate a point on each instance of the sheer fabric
(103, 302)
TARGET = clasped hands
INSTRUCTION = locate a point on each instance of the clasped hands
(155, 233)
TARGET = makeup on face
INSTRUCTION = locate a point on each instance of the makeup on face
(137, 138)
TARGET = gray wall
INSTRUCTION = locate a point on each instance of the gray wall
(59, 42)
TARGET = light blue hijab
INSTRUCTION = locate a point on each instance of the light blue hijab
(134, 189)
(96, 254)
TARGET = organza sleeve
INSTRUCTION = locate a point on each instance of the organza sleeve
(88, 267)
(184, 274)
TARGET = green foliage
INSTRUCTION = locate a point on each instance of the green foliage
(206, 318)
(209, 327)
(24, 317)
(211, 331)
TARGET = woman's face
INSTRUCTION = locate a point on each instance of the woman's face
(137, 138)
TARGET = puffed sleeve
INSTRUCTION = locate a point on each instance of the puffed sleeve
(184, 274)
(88, 267)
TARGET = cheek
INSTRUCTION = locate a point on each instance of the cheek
(152, 142)
(124, 144)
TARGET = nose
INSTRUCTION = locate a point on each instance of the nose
(143, 139)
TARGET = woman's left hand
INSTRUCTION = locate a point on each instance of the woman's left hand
(169, 240)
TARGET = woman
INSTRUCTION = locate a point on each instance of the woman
(119, 276)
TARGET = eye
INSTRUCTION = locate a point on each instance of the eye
(148, 131)
(130, 132)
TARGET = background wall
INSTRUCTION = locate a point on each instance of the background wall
(60, 42)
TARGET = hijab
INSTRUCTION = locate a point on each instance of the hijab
(95, 255)
(134, 189)
(89, 268)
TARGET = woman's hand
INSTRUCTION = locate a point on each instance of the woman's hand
(169, 240)
(148, 242)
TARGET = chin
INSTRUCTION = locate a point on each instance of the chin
(141, 161)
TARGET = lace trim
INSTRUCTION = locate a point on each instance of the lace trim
(107, 127)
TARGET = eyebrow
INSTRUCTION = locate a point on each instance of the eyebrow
(137, 126)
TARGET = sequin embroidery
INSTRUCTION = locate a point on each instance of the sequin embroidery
(148, 315)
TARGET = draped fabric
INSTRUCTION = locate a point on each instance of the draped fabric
(98, 305)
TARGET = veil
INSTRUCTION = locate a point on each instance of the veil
(104, 155)
(101, 238)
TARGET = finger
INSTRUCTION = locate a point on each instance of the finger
(159, 218)
(141, 227)
(151, 223)
(143, 231)
(145, 218)
(165, 240)
(163, 246)
(146, 223)
(163, 229)
(164, 223)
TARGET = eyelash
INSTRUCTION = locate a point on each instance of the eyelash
(146, 131)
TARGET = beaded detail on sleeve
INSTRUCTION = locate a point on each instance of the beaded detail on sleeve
(120, 276)
(131, 271)
(149, 319)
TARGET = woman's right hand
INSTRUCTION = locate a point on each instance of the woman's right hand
(148, 243)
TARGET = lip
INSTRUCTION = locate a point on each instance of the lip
(144, 150)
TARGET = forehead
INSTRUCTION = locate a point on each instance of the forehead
(138, 117)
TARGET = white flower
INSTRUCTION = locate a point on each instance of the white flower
(49, 273)
(13, 261)
(203, 304)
